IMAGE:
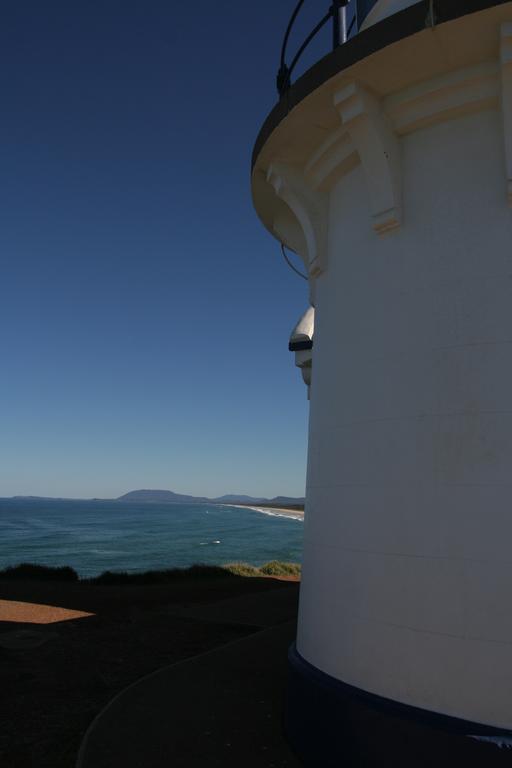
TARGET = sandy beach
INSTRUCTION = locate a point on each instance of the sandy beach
(297, 514)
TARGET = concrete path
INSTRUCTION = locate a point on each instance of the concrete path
(223, 708)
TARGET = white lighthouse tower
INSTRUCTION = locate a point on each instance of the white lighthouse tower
(387, 167)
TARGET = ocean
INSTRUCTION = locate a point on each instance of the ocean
(95, 536)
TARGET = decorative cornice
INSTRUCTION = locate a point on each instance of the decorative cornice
(445, 97)
(356, 121)
(379, 149)
(382, 37)
(506, 99)
(309, 208)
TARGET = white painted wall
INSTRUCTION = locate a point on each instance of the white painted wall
(407, 586)
(393, 181)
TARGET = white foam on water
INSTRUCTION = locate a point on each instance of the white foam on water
(292, 515)
(272, 513)
(108, 552)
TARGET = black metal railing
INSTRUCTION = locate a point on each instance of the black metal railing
(345, 17)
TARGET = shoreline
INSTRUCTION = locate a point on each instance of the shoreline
(295, 514)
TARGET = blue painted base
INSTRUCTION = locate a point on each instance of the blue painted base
(330, 724)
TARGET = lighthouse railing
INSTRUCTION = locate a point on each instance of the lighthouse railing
(345, 17)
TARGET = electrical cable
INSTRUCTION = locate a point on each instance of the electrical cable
(298, 272)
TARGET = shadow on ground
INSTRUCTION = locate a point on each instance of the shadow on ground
(59, 668)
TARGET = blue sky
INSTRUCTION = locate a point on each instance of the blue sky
(144, 310)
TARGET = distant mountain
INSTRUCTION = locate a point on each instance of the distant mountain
(160, 497)
(283, 501)
(169, 497)
(286, 500)
(232, 498)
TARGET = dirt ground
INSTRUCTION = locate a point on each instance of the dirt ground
(58, 670)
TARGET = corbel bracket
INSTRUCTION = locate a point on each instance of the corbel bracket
(310, 210)
(379, 150)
